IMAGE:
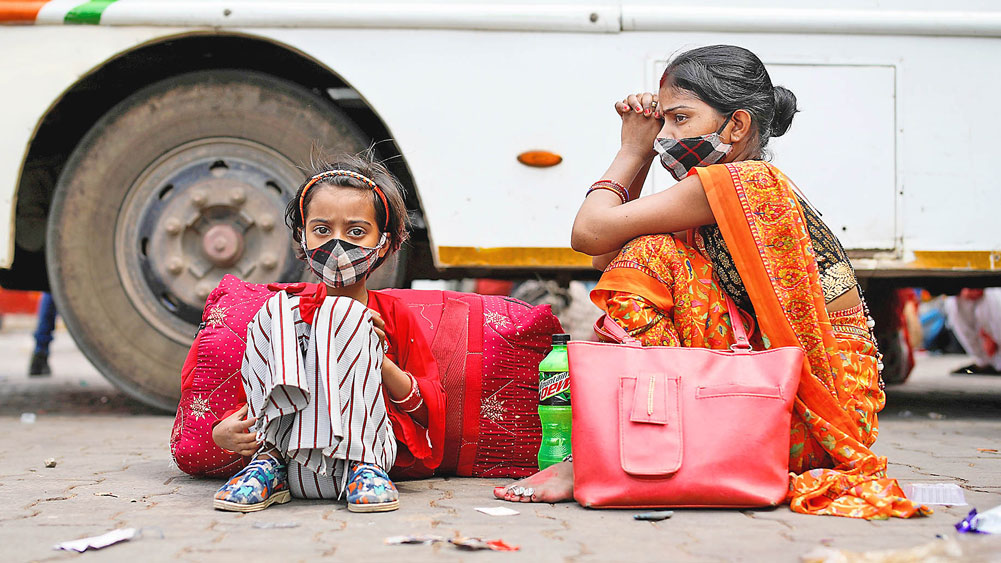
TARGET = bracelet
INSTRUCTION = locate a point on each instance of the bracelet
(420, 403)
(611, 186)
(614, 186)
(412, 401)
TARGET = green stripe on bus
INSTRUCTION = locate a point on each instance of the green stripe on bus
(88, 12)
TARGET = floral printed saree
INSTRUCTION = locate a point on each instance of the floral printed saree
(664, 292)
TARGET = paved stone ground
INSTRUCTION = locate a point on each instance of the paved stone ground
(114, 471)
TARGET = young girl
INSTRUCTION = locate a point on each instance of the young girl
(340, 381)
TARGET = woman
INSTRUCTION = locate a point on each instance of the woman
(740, 229)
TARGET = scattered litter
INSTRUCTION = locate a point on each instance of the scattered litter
(905, 414)
(939, 550)
(97, 542)
(28, 418)
(401, 540)
(936, 416)
(50, 463)
(935, 493)
(274, 525)
(987, 450)
(476, 544)
(468, 544)
(986, 523)
(655, 516)
(497, 510)
(113, 495)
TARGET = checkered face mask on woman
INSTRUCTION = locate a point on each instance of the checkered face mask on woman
(339, 263)
(679, 156)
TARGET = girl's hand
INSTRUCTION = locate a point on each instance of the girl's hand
(232, 434)
(379, 325)
(640, 123)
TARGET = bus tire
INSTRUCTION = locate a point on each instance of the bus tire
(182, 182)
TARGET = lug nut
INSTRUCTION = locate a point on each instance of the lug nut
(175, 265)
(237, 196)
(172, 226)
(267, 222)
(198, 198)
(269, 262)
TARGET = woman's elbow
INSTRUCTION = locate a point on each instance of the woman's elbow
(584, 238)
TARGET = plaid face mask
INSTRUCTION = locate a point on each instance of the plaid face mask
(679, 156)
(339, 263)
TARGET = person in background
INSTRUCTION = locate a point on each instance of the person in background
(975, 317)
(43, 337)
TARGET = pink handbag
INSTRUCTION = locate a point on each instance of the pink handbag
(663, 426)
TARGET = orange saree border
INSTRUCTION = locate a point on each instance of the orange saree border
(765, 231)
(723, 191)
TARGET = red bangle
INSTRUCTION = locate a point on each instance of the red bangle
(412, 401)
(612, 183)
(611, 186)
(420, 401)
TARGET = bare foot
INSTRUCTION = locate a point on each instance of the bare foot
(552, 484)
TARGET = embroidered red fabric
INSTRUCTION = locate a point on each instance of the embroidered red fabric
(488, 350)
(483, 350)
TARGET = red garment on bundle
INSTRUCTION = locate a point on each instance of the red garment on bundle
(421, 448)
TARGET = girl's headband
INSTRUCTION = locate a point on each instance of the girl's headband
(332, 173)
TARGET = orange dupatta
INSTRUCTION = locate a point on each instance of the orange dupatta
(766, 233)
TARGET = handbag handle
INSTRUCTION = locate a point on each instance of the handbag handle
(737, 323)
(609, 329)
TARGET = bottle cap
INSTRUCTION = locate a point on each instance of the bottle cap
(561, 339)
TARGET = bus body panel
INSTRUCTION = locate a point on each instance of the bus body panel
(893, 144)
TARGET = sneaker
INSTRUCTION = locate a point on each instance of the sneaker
(39, 365)
(259, 485)
(370, 490)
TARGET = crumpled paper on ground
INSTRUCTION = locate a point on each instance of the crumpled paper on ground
(988, 522)
(97, 542)
(464, 543)
(934, 493)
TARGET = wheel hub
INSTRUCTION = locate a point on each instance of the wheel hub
(205, 210)
(222, 245)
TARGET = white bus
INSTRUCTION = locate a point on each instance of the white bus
(147, 147)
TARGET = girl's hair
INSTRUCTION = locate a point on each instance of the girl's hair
(393, 221)
(729, 78)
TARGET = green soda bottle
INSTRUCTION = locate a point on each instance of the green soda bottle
(554, 403)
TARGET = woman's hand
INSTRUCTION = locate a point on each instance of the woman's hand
(232, 434)
(640, 124)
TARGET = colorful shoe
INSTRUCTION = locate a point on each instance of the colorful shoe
(370, 490)
(259, 485)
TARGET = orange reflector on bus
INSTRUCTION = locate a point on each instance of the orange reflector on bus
(539, 159)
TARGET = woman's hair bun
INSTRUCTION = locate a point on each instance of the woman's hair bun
(785, 109)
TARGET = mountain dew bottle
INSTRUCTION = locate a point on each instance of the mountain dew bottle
(554, 403)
